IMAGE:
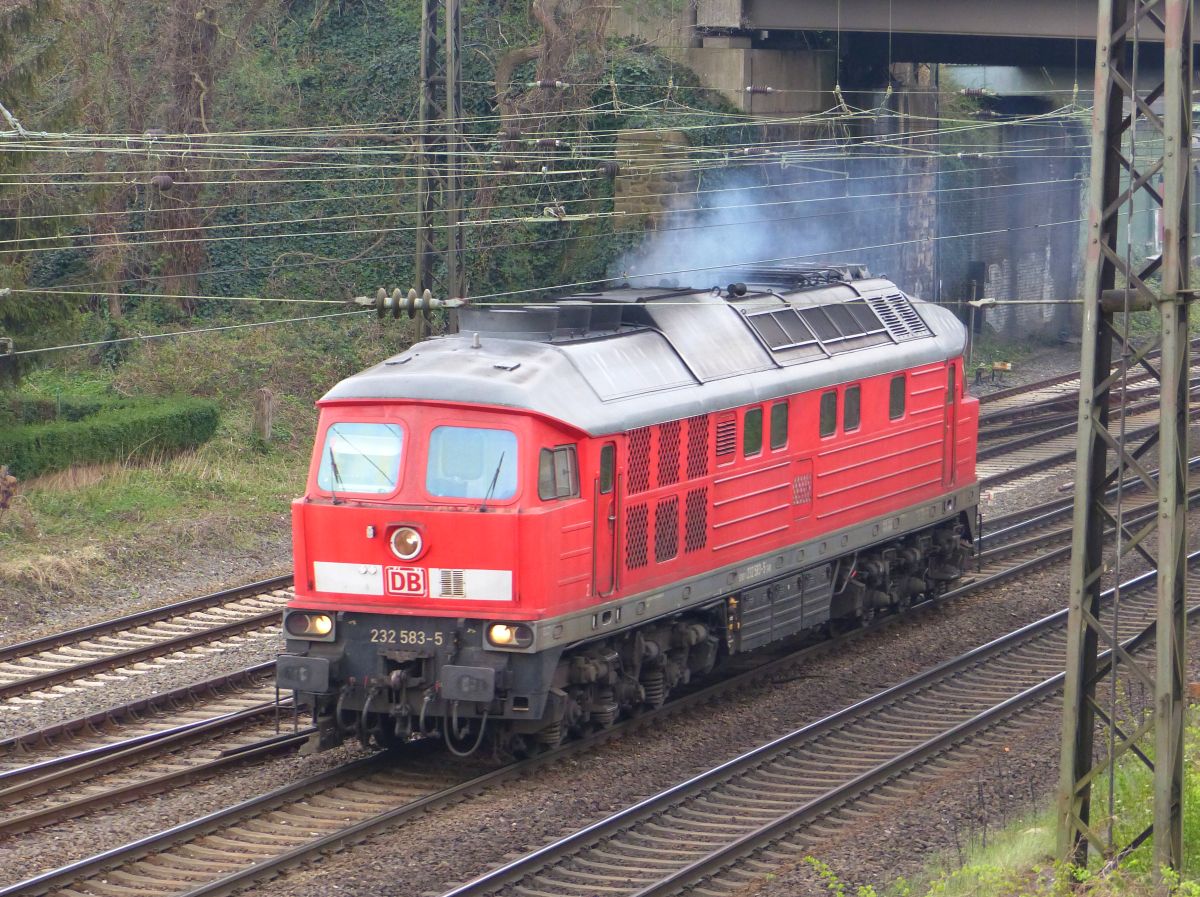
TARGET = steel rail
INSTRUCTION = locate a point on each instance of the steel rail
(184, 736)
(141, 618)
(1023, 417)
(28, 741)
(770, 833)
(135, 655)
(675, 881)
(1012, 445)
(1062, 457)
(1013, 391)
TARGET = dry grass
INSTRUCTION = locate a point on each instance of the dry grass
(74, 478)
(58, 572)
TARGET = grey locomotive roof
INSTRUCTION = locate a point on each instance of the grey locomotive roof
(665, 355)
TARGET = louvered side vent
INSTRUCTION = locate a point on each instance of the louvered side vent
(639, 460)
(452, 584)
(899, 317)
(637, 520)
(666, 529)
(695, 525)
(697, 457)
(726, 436)
(668, 453)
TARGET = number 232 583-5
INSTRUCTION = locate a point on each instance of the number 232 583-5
(406, 637)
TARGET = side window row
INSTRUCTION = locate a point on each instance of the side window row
(852, 407)
(752, 429)
(558, 468)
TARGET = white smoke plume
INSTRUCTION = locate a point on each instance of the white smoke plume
(749, 222)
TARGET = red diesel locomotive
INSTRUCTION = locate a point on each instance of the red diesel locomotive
(561, 513)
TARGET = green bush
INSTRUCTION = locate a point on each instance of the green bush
(129, 430)
(39, 410)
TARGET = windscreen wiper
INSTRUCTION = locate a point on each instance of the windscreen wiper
(337, 477)
(492, 487)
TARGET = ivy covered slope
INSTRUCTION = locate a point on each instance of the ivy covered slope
(298, 190)
(301, 182)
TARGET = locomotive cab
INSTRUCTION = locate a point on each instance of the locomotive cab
(409, 538)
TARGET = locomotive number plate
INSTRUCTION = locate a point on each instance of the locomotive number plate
(407, 637)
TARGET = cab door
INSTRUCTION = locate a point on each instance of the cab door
(604, 528)
(949, 437)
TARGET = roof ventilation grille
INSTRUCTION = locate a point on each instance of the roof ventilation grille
(899, 317)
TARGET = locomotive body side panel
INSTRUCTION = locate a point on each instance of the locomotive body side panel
(757, 498)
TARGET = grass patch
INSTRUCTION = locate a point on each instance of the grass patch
(99, 520)
(1019, 859)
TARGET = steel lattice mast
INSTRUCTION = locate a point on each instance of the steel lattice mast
(1125, 118)
(439, 148)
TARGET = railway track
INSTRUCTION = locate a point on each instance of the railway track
(1035, 413)
(1016, 400)
(1019, 463)
(725, 828)
(258, 839)
(82, 656)
(164, 710)
(1032, 425)
(238, 722)
(237, 725)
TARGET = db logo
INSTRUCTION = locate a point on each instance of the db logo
(406, 581)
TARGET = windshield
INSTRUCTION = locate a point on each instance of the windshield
(469, 462)
(361, 458)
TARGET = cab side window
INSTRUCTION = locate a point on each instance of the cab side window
(558, 473)
(852, 408)
(898, 391)
(608, 468)
(828, 414)
(779, 425)
(752, 435)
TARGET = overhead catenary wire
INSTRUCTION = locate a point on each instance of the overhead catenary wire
(636, 275)
(203, 145)
(533, 241)
(189, 332)
(105, 238)
(718, 156)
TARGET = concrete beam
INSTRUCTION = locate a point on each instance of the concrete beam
(983, 18)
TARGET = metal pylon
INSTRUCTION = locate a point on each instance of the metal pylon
(439, 147)
(1125, 117)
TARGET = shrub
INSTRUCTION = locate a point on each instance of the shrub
(37, 410)
(128, 430)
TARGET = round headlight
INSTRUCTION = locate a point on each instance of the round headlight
(406, 543)
(510, 635)
(309, 625)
